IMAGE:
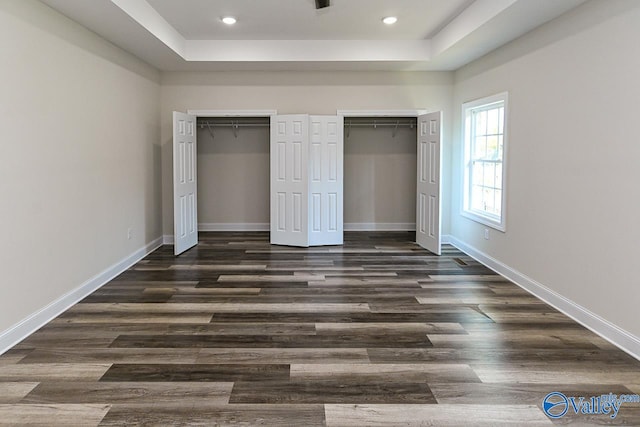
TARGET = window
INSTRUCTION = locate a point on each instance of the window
(485, 140)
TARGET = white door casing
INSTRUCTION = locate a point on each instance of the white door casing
(289, 180)
(428, 186)
(326, 155)
(185, 200)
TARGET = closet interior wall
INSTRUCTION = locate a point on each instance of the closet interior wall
(233, 173)
(380, 172)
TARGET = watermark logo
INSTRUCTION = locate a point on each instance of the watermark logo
(557, 405)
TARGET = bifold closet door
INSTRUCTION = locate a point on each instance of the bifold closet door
(326, 154)
(306, 180)
(185, 199)
(289, 180)
(428, 187)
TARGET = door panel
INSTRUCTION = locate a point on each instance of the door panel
(326, 180)
(289, 181)
(428, 187)
(185, 209)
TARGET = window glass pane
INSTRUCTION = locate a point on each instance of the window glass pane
(488, 175)
(492, 148)
(476, 198)
(488, 200)
(477, 173)
(493, 121)
(498, 210)
(501, 117)
(500, 147)
(499, 175)
(480, 147)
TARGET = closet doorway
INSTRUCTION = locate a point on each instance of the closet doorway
(227, 193)
(287, 172)
(233, 173)
(380, 173)
(392, 172)
(305, 176)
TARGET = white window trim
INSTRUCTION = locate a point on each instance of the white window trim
(499, 225)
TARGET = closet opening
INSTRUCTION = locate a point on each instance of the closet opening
(380, 174)
(233, 173)
(284, 173)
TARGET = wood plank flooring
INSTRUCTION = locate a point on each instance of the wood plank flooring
(375, 332)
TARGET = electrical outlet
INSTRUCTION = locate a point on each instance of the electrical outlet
(486, 234)
(129, 233)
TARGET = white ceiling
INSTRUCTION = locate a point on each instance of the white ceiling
(299, 20)
(293, 35)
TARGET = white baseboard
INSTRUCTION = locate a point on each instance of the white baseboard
(168, 239)
(241, 226)
(379, 226)
(35, 321)
(607, 330)
(445, 239)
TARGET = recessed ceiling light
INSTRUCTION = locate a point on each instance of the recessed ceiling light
(389, 20)
(229, 20)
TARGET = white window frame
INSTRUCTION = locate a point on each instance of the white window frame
(498, 223)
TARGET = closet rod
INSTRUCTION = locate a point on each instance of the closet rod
(234, 125)
(407, 125)
(346, 123)
(372, 124)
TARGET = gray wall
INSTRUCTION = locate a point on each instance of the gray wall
(80, 159)
(302, 92)
(380, 176)
(572, 203)
(379, 184)
(233, 176)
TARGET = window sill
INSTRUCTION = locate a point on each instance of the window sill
(500, 226)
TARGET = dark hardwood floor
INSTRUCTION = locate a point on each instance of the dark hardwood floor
(376, 332)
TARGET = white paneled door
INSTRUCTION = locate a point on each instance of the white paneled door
(289, 180)
(428, 188)
(306, 180)
(185, 200)
(325, 180)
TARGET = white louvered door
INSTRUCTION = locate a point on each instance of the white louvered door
(185, 199)
(325, 180)
(289, 180)
(428, 188)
